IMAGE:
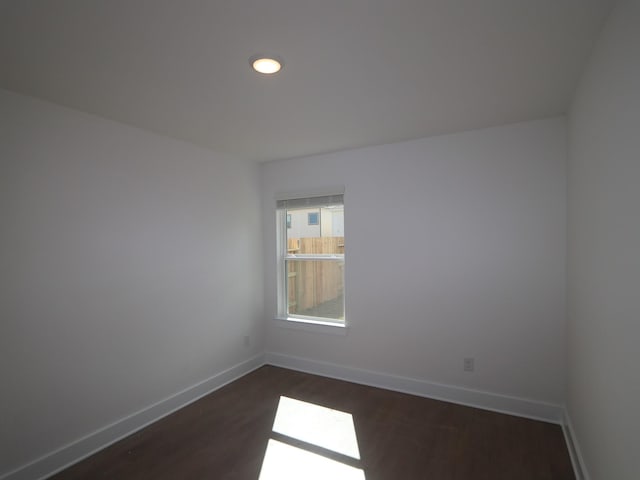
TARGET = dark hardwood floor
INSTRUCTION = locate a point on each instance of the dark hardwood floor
(224, 436)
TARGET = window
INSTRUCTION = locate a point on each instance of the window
(312, 218)
(311, 259)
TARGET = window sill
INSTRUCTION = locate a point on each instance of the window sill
(317, 326)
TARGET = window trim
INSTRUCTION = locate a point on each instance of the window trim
(282, 318)
(312, 326)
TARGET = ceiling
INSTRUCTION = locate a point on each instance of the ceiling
(357, 72)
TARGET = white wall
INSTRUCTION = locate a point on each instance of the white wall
(604, 252)
(471, 262)
(130, 269)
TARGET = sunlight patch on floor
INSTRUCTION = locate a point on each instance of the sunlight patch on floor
(285, 462)
(320, 426)
(316, 426)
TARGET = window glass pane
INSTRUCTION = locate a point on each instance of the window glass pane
(313, 264)
(325, 236)
(315, 288)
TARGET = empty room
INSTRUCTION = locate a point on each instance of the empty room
(285, 239)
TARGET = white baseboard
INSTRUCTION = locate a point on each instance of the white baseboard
(577, 460)
(520, 407)
(83, 447)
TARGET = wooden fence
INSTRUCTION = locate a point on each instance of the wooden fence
(314, 283)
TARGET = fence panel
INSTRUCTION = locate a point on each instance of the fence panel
(313, 283)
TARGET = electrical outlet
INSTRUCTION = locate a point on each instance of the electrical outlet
(247, 340)
(469, 364)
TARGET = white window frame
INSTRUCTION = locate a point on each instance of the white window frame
(323, 324)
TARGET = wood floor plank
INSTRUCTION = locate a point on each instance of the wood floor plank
(224, 436)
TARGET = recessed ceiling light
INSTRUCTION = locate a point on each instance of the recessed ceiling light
(266, 65)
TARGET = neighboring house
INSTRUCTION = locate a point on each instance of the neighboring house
(316, 222)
